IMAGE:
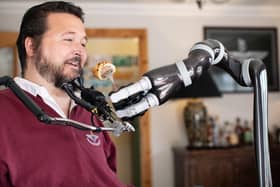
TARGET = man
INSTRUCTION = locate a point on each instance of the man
(51, 48)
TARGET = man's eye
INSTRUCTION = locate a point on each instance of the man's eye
(68, 39)
(84, 44)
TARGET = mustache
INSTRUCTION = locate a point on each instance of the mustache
(75, 59)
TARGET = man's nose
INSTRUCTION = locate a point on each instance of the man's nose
(79, 50)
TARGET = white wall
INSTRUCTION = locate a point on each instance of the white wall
(172, 30)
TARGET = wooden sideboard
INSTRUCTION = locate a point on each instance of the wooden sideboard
(225, 167)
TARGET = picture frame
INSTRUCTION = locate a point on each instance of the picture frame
(122, 52)
(126, 48)
(244, 43)
(8, 55)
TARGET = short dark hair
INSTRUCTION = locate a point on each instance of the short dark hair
(34, 24)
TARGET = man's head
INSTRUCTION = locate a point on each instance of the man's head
(52, 39)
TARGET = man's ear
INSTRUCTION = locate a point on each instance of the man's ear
(29, 46)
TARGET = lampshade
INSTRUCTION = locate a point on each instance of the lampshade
(203, 87)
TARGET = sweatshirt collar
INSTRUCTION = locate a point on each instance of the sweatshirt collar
(37, 90)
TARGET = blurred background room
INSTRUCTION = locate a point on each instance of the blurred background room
(146, 34)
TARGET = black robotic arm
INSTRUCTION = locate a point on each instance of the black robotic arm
(159, 85)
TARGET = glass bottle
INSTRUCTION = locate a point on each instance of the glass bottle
(247, 133)
(239, 130)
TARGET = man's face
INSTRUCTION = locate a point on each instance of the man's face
(62, 53)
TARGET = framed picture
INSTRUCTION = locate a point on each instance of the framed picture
(244, 43)
(6, 61)
(122, 52)
(8, 55)
(126, 48)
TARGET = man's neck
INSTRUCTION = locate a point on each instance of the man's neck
(59, 95)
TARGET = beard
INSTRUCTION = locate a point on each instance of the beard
(54, 73)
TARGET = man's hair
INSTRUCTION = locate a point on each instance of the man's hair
(34, 24)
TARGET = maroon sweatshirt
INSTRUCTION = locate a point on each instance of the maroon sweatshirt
(33, 154)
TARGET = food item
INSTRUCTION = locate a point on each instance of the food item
(104, 70)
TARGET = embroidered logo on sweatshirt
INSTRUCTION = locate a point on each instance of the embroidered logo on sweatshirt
(93, 139)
